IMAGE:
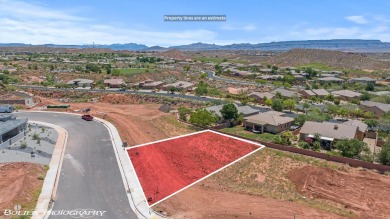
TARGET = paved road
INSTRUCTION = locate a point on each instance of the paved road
(164, 94)
(90, 177)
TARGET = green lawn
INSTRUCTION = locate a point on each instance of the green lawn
(238, 130)
(128, 71)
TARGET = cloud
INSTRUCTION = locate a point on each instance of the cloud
(357, 19)
(37, 24)
(237, 27)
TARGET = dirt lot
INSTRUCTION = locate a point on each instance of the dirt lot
(168, 166)
(274, 184)
(20, 183)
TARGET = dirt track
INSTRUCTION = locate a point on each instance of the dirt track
(19, 184)
(361, 191)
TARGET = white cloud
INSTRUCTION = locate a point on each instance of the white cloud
(235, 27)
(357, 19)
(38, 24)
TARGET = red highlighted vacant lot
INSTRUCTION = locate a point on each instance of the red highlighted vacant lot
(167, 166)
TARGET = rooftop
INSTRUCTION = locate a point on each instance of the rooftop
(384, 107)
(246, 110)
(347, 93)
(330, 130)
(268, 119)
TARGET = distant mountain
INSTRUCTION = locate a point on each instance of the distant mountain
(347, 45)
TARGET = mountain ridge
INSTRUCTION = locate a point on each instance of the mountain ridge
(346, 45)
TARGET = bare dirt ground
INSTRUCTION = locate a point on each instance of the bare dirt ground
(20, 183)
(275, 184)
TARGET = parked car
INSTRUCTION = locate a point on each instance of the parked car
(87, 117)
(255, 131)
(122, 89)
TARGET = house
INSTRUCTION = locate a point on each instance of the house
(320, 92)
(10, 127)
(114, 83)
(362, 128)
(17, 98)
(315, 92)
(261, 96)
(80, 82)
(330, 80)
(346, 94)
(270, 77)
(363, 80)
(180, 85)
(377, 108)
(152, 85)
(307, 94)
(286, 93)
(244, 110)
(271, 122)
(329, 132)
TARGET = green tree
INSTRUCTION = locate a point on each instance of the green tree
(384, 154)
(305, 106)
(183, 111)
(371, 123)
(229, 112)
(203, 118)
(351, 148)
(277, 105)
(343, 112)
(289, 103)
(365, 96)
(201, 89)
(300, 119)
(268, 102)
(370, 87)
(336, 101)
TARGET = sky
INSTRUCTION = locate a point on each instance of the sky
(248, 21)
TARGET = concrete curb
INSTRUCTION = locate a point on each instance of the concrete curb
(49, 188)
(132, 185)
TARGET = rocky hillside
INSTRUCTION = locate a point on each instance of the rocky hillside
(173, 53)
(334, 59)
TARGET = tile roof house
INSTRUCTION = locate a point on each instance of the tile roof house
(320, 92)
(366, 80)
(114, 83)
(152, 85)
(346, 94)
(271, 122)
(307, 93)
(331, 132)
(181, 85)
(330, 79)
(261, 96)
(245, 110)
(286, 93)
(80, 82)
(377, 108)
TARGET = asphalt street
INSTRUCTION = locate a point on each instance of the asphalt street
(90, 176)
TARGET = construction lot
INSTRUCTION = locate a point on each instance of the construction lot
(168, 166)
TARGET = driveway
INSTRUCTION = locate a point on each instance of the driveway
(90, 177)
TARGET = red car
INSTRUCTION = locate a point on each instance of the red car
(87, 117)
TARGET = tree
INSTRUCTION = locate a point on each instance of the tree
(336, 101)
(370, 87)
(300, 119)
(287, 136)
(172, 89)
(343, 112)
(384, 154)
(351, 148)
(289, 103)
(203, 118)
(268, 102)
(277, 105)
(201, 89)
(305, 106)
(289, 79)
(229, 112)
(183, 111)
(365, 96)
(371, 123)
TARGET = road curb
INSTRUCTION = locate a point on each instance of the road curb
(50, 184)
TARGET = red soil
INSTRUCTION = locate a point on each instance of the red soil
(174, 164)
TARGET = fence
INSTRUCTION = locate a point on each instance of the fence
(12, 140)
(345, 160)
